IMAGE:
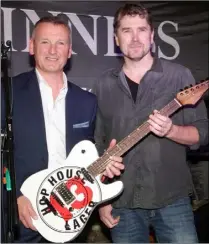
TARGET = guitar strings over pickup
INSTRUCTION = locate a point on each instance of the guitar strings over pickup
(87, 175)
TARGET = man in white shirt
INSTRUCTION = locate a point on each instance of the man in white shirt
(46, 108)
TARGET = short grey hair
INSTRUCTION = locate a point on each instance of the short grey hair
(56, 20)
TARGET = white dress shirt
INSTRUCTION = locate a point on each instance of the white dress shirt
(54, 117)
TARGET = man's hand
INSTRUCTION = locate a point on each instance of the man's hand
(26, 212)
(106, 216)
(160, 125)
(115, 165)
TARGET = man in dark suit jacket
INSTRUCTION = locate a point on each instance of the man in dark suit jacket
(45, 107)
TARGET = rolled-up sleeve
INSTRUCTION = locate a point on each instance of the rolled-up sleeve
(196, 115)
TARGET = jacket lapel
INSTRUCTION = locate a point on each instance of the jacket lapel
(34, 113)
(70, 105)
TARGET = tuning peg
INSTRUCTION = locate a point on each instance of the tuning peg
(186, 87)
(181, 90)
(191, 85)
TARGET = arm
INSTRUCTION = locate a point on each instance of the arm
(195, 120)
(26, 212)
(194, 130)
(187, 135)
(105, 213)
(163, 126)
(193, 135)
(25, 209)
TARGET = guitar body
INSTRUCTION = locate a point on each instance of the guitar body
(65, 197)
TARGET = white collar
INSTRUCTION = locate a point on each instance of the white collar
(41, 80)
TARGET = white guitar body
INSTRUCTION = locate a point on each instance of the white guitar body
(65, 197)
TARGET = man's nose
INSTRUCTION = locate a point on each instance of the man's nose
(135, 36)
(52, 48)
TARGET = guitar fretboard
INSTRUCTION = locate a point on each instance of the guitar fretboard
(98, 166)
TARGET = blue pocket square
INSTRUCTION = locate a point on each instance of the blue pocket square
(81, 125)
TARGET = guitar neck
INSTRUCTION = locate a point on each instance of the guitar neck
(98, 166)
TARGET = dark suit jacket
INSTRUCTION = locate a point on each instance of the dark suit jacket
(30, 146)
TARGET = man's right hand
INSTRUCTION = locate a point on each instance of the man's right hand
(106, 216)
(26, 212)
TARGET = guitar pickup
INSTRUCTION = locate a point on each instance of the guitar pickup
(87, 175)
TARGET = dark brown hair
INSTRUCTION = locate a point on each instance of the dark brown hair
(132, 10)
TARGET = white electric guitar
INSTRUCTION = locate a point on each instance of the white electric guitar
(65, 197)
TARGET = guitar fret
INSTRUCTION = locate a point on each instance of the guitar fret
(118, 147)
(114, 150)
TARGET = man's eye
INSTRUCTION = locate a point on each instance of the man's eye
(61, 43)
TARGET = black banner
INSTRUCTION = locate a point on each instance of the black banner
(181, 34)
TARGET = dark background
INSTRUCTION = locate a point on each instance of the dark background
(191, 18)
(185, 24)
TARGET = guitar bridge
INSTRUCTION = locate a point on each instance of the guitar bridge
(65, 193)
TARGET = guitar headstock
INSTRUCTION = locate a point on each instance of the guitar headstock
(192, 94)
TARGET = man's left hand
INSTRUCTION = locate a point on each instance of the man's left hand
(115, 165)
(160, 125)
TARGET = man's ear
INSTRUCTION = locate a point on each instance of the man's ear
(116, 40)
(31, 47)
(152, 37)
(70, 51)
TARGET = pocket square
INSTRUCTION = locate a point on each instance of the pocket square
(81, 125)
